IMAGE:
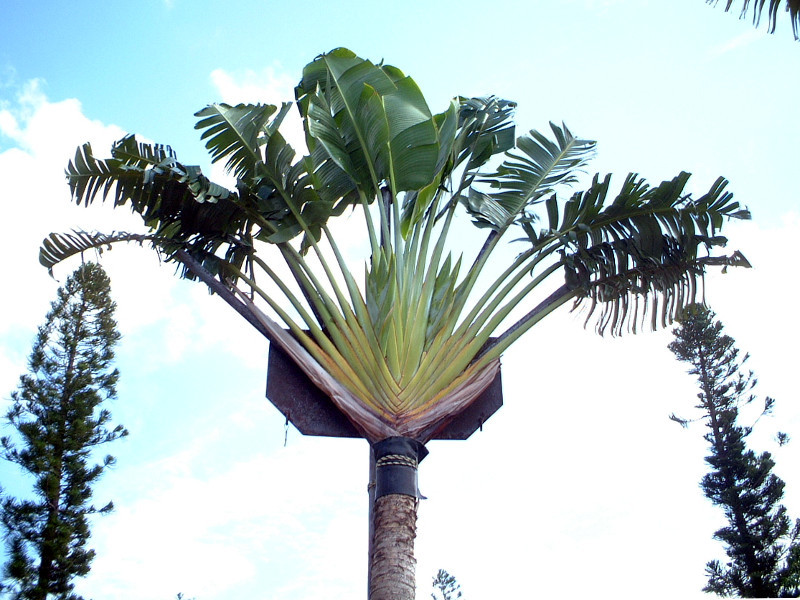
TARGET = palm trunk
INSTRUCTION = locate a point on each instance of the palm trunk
(393, 566)
(393, 518)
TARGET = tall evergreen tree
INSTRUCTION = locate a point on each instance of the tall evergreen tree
(760, 538)
(58, 420)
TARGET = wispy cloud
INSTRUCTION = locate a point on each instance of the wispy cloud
(740, 41)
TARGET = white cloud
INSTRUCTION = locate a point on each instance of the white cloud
(36, 198)
(35, 194)
(241, 528)
(8, 124)
(269, 86)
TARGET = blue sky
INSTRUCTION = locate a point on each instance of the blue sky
(579, 484)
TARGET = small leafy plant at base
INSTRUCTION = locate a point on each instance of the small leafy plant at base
(445, 586)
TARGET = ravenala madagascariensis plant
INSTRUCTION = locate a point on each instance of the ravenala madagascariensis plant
(415, 332)
(405, 339)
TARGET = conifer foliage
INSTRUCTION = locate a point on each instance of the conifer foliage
(56, 412)
(760, 539)
(445, 587)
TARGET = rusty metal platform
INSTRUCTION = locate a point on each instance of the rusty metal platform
(313, 413)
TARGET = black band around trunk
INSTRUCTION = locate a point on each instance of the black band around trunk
(396, 460)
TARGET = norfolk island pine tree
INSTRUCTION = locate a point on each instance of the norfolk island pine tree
(417, 340)
(57, 414)
(760, 539)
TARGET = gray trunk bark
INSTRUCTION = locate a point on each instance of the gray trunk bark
(392, 571)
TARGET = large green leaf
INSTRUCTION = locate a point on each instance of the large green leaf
(467, 127)
(372, 121)
(331, 145)
(485, 128)
(236, 133)
(309, 202)
(183, 209)
(57, 247)
(643, 249)
(641, 212)
(328, 97)
(626, 285)
(525, 178)
(88, 176)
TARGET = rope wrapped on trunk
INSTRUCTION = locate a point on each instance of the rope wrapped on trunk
(396, 461)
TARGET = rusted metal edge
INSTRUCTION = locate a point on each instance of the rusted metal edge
(312, 412)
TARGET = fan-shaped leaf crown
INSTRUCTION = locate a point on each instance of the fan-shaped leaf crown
(418, 338)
